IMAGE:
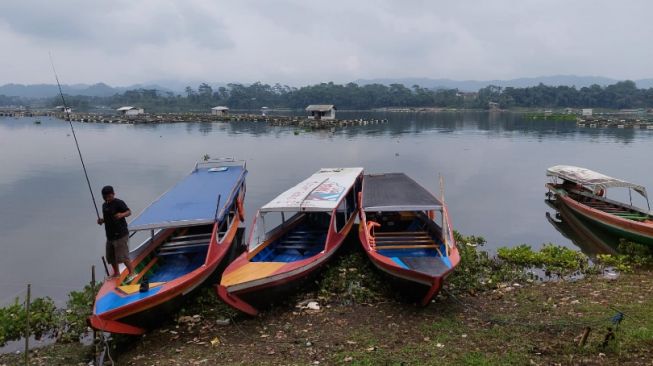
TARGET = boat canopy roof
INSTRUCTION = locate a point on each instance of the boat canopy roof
(591, 179)
(321, 192)
(193, 201)
(396, 192)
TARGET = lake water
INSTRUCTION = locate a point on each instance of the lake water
(493, 164)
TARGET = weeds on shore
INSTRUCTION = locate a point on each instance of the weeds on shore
(350, 279)
(66, 325)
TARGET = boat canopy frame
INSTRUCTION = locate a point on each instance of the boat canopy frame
(397, 192)
(594, 180)
(321, 192)
(200, 198)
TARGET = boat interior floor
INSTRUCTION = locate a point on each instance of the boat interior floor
(180, 254)
(426, 261)
(303, 241)
(613, 209)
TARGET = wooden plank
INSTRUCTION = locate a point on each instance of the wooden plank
(131, 289)
(383, 238)
(143, 272)
(381, 233)
(194, 236)
(382, 242)
(407, 247)
(250, 271)
(304, 247)
(177, 244)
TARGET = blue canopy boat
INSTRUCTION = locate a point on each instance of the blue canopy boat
(191, 230)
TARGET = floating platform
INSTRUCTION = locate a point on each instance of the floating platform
(603, 122)
(205, 117)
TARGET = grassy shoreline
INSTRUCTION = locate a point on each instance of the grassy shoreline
(490, 312)
(510, 325)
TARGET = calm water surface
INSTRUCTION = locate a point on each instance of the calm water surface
(493, 166)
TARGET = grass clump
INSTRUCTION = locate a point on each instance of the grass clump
(553, 259)
(631, 256)
(43, 319)
(477, 270)
(352, 279)
(67, 325)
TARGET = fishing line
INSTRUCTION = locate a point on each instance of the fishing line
(65, 109)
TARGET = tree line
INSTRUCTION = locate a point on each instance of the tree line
(620, 95)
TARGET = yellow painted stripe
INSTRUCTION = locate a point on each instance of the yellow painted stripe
(130, 289)
(250, 272)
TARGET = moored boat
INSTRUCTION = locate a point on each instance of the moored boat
(591, 239)
(406, 232)
(291, 237)
(191, 229)
(584, 192)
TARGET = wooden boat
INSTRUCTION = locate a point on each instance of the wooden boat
(584, 192)
(589, 238)
(191, 229)
(292, 236)
(399, 233)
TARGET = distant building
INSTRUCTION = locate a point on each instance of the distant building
(548, 112)
(63, 109)
(321, 111)
(220, 111)
(586, 111)
(264, 111)
(130, 111)
(467, 96)
(638, 111)
(493, 105)
(569, 111)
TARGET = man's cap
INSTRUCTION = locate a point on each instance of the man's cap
(106, 190)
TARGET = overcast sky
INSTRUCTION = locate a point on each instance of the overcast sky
(122, 42)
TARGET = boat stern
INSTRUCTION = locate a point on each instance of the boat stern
(112, 326)
(234, 301)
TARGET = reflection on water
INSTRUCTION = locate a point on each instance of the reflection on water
(591, 239)
(493, 165)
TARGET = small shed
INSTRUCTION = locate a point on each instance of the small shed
(321, 111)
(220, 111)
(493, 105)
(63, 109)
(130, 111)
(586, 111)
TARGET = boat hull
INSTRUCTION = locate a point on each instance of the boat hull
(251, 297)
(414, 286)
(640, 232)
(144, 311)
(252, 300)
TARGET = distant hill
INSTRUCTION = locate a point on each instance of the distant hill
(474, 85)
(51, 90)
(38, 91)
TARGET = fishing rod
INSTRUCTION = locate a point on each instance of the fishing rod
(67, 112)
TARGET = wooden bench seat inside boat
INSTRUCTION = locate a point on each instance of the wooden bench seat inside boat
(297, 244)
(186, 243)
(613, 209)
(301, 240)
(404, 240)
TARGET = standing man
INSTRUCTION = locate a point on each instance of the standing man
(114, 211)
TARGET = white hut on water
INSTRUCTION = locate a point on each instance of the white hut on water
(130, 111)
(321, 111)
(220, 111)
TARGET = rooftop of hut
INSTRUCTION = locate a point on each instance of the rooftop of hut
(320, 107)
